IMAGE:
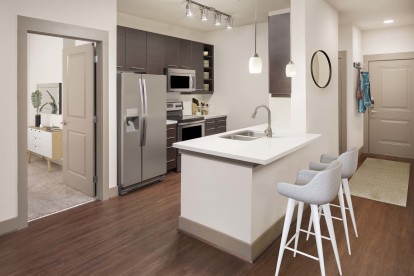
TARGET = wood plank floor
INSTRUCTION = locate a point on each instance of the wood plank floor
(136, 235)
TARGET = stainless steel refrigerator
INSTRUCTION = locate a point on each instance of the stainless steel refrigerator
(142, 145)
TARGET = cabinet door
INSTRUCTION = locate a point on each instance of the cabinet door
(135, 50)
(197, 63)
(171, 57)
(155, 54)
(279, 55)
(120, 48)
(185, 53)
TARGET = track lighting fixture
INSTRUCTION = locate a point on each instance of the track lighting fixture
(204, 14)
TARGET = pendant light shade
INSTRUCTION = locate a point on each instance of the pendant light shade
(255, 62)
(290, 69)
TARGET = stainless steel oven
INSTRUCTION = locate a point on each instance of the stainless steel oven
(188, 126)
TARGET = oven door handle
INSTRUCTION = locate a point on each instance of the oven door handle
(192, 123)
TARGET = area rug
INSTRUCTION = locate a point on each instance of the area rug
(382, 180)
(47, 194)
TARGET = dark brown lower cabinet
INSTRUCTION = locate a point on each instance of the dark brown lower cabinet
(215, 125)
(171, 152)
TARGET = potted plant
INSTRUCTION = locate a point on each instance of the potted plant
(52, 104)
(36, 102)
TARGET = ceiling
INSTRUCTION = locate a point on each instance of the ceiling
(366, 14)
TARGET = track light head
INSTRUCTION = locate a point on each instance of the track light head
(188, 11)
(204, 14)
(217, 19)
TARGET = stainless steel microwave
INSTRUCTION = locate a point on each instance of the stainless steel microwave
(180, 80)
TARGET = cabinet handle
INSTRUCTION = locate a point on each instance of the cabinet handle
(172, 65)
(211, 128)
(119, 66)
(221, 126)
(170, 137)
(222, 120)
(170, 129)
(186, 67)
(169, 161)
(136, 68)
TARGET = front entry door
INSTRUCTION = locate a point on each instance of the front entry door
(78, 113)
(391, 121)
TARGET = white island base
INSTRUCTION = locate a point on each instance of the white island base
(232, 204)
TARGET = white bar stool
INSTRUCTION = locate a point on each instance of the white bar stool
(349, 161)
(316, 189)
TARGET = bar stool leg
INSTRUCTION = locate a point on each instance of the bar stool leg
(344, 220)
(316, 226)
(328, 219)
(288, 218)
(345, 185)
(298, 223)
(310, 222)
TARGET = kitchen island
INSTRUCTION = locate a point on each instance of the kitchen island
(228, 193)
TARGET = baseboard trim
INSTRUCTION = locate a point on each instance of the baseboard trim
(113, 192)
(231, 245)
(9, 226)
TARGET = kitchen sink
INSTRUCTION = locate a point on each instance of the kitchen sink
(245, 135)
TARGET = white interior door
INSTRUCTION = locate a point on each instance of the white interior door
(78, 112)
(391, 124)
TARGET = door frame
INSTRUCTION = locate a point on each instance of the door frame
(373, 58)
(27, 25)
(342, 102)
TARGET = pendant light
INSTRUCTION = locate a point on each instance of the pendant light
(290, 67)
(255, 62)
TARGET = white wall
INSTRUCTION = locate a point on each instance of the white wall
(389, 40)
(236, 91)
(315, 27)
(44, 66)
(350, 40)
(98, 14)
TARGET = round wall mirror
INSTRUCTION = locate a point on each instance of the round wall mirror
(321, 69)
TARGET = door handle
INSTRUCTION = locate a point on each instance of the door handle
(373, 111)
(64, 123)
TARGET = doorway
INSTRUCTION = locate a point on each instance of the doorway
(390, 122)
(28, 25)
(50, 190)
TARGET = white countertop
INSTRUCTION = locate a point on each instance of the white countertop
(259, 151)
(171, 122)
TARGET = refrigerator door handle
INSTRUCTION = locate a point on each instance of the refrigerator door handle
(144, 125)
(142, 113)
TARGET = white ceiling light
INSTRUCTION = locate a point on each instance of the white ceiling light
(229, 22)
(217, 19)
(255, 62)
(188, 11)
(388, 21)
(204, 14)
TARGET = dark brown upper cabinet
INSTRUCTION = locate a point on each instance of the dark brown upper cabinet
(185, 54)
(171, 58)
(120, 48)
(197, 63)
(279, 55)
(155, 53)
(135, 50)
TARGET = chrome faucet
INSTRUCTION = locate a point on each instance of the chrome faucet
(268, 130)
